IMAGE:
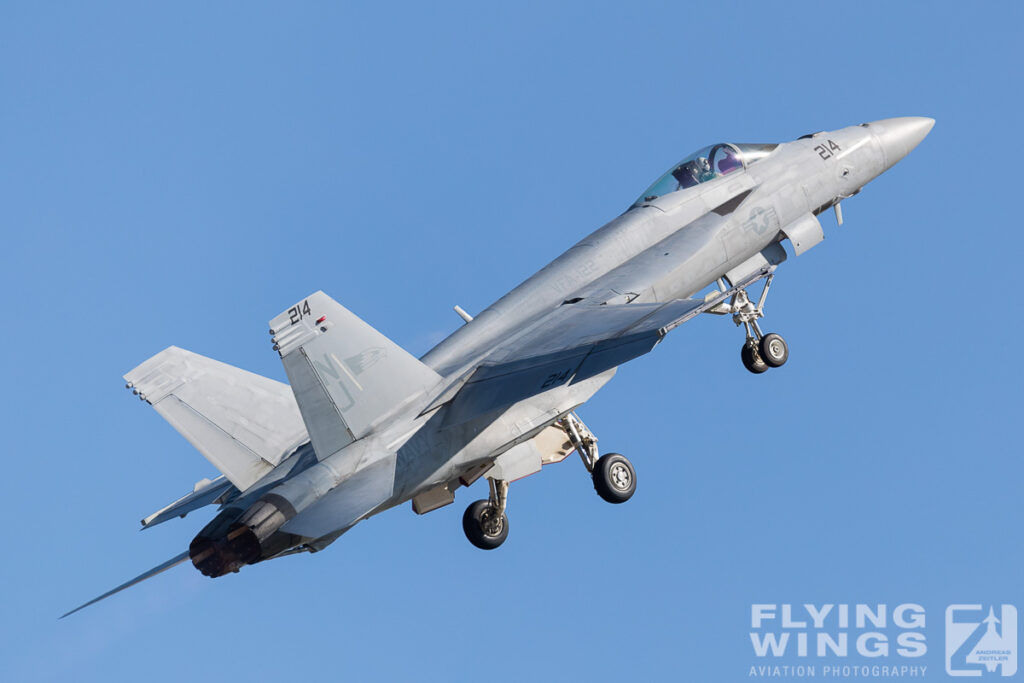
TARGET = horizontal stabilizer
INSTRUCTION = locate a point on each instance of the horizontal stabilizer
(243, 423)
(173, 562)
(346, 376)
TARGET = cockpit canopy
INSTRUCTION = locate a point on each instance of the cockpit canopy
(704, 165)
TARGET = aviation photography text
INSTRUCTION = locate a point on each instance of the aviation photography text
(838, 640)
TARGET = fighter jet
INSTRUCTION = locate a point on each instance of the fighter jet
(364, 426)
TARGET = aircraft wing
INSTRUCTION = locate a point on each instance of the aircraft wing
(243, 423)
(572, 343)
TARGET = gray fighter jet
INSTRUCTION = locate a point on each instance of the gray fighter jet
(364, 426)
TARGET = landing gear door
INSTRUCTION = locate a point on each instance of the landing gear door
(804, 233)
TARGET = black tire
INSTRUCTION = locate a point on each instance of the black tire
(774, 350)
(614, 478)
(751, 360)
(472, 524)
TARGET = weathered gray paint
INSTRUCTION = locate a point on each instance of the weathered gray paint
(406, 426)
(664, 250)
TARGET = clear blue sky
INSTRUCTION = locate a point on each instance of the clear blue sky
(179, 175)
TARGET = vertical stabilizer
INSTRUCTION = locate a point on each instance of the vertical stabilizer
(346, 376)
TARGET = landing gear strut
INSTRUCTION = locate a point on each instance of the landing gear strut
(760, 351)
(613, 475)
(485, 521)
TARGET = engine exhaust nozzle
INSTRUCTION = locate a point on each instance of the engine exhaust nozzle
(253, 536)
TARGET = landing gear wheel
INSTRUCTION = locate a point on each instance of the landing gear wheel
(614, 478)
(483, 527)
(774, 350)
(751, 359)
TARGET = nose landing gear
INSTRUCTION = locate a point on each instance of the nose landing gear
(760, 351)
(774, 350)
(751, 357)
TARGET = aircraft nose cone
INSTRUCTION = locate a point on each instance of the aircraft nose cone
(900, 135)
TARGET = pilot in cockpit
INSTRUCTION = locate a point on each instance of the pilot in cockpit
(703, 165)
(693, 172)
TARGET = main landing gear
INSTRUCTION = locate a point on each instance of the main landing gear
(613, 475)
(485, 522)
(760, 351)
